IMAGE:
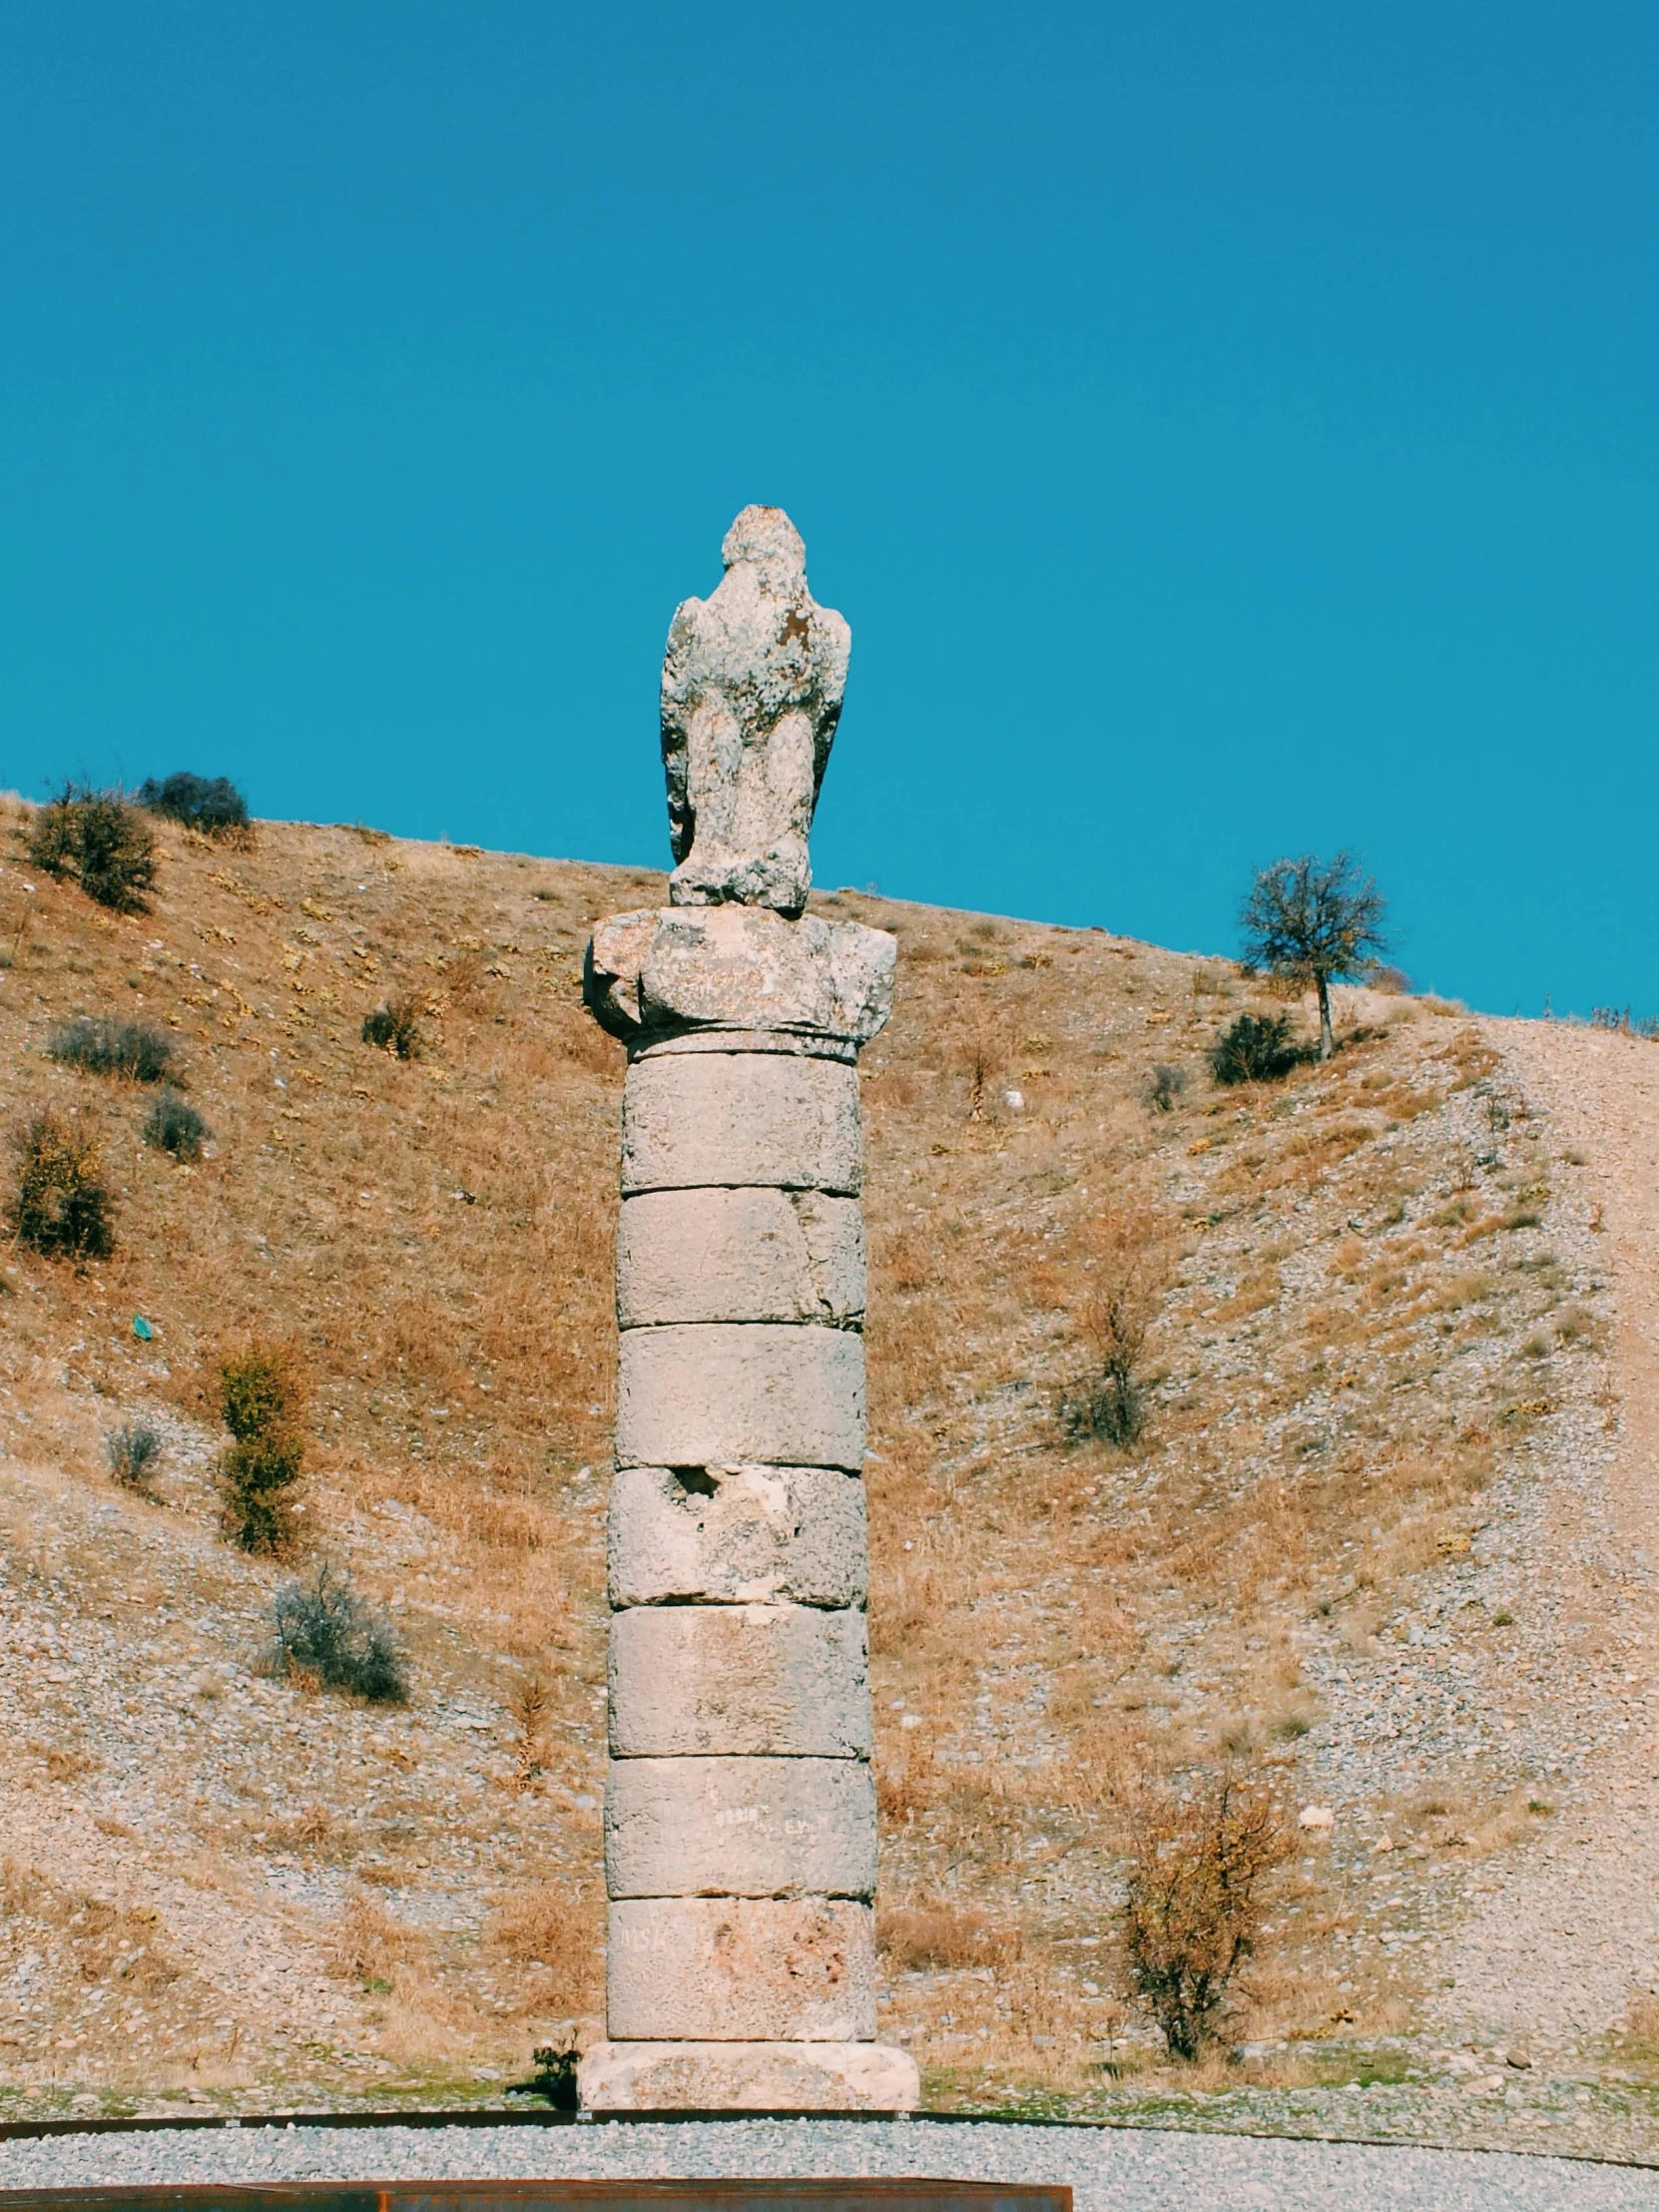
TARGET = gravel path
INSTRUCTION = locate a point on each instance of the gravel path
(1111, 2170)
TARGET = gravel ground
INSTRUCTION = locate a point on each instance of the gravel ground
(1111, 2170)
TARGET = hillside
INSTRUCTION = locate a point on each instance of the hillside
(1382, 1538)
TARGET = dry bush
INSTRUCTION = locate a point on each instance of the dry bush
(1164, 1086)
(1124, 1263)
(129, 1450)
(106, 1047)
(1199, 1869)
(173, 1125)
(945, 1935)
(101, 840)
(63, 1202)
(323, 1630)
(984, 1062)
(529, 1709)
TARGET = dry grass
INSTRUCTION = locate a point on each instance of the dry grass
(552, 1936)
(435, 1236)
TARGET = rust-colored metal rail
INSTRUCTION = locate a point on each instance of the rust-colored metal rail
(552, 2196)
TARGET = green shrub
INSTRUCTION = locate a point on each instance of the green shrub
(1257, 1049)
(62, 1203)
(394, 1026)
(259, 1401)
(129, 1450)
(210, 803)
(111, 1048)
(323, 1629)
(173, 1125)
(100, 839)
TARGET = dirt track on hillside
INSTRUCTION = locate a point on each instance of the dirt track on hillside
(1562, 1940)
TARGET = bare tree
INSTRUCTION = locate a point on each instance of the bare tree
(1314, 921)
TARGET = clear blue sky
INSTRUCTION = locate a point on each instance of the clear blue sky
(1229, 431)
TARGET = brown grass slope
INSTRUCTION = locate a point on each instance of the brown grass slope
(1373, 1304)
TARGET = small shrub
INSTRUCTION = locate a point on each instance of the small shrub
(1164, 1086)
(210, 803)
(1111, 1411)
(173, 1125)
(555, 2066)
(259, 1401)
(129, 1450)
(1393, 982)
(395, 1027)
(52, 843)
(1196, 1875)
(63, 1204)
(111, 1048)
(1123, 1274)
(1257, 1049)
(322, 1628)
(101, 839)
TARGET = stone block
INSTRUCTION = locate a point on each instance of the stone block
(770, 1118)
(747, 2077)
(740, 1969)
(738, 1680)
(739, 967)
(738, 1535)
(721, 1393)
(751, 1828)
(739, 1255)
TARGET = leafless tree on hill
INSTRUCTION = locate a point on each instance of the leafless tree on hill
(1315, 921)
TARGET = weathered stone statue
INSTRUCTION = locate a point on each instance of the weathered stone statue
(752, 691)
(740, 1812)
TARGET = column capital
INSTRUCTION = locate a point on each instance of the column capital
(672, 971)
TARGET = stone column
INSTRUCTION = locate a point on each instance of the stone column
(740, 1812)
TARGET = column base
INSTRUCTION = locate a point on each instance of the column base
(747, 2077)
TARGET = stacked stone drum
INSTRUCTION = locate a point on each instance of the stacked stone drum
(740, 1815)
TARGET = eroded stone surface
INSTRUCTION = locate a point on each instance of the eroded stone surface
(740, 968)
(752, 691)
(733, 1535)
(742, 1969)
(789, 1681)
(747, 2077)
(720, 1393)
(739, 1255)
(740, 1828)
(766, 1118)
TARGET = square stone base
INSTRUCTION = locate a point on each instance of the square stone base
(739, 2077)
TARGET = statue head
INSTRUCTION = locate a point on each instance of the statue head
(767, 539)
